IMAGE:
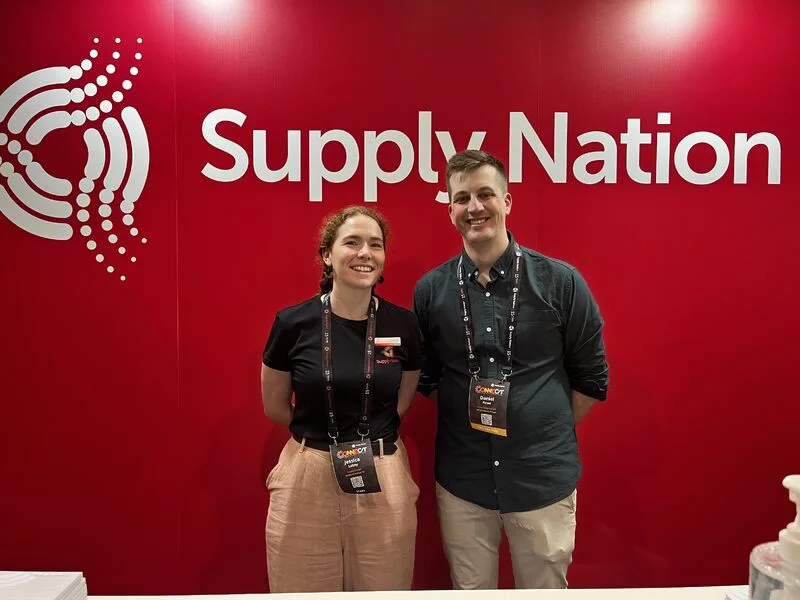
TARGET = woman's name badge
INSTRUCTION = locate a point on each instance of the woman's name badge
(354, 466)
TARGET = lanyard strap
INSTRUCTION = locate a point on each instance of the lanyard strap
(466, 314)
(327, 369)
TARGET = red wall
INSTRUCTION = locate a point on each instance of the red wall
(132, 441)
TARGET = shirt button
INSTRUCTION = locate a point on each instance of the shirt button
(488, 294)
(502, 272)
(497, 463)
(491, 359)
(489, 329)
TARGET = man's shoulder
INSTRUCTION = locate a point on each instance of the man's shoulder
(554, 267)
(438, 274)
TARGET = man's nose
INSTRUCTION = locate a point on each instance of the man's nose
(475, 204)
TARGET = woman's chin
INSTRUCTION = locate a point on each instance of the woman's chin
(361, 283)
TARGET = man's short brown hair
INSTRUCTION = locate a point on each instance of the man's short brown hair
(468, 161)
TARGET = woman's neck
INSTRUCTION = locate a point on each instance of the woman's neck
(350, 303)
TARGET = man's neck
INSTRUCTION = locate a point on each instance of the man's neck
(350, 303)
(486, 255)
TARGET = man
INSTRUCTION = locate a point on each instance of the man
(514, 358)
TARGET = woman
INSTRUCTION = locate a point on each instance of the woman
(329, 531)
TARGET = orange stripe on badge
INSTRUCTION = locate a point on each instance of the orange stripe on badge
(492, 430)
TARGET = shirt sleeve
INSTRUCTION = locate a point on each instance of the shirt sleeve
(279, 344)
(431, 364)
(584, 350)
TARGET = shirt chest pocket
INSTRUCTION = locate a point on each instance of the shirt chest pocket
(388, 355)
(539, 338)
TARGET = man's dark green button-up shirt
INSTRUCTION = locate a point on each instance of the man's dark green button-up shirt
(558, 347)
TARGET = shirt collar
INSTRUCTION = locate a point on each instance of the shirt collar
(501, 268)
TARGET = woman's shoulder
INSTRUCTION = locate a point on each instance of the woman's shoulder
(300, 312)
(395, 312)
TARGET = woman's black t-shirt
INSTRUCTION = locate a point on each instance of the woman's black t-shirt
(295, 345)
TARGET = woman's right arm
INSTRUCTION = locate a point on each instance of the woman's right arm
(276, 393)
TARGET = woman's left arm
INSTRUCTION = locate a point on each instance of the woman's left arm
(408, 387)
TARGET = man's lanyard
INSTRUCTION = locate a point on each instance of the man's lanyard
(327, 369)
(466, 313)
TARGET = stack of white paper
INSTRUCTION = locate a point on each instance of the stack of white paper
(24, 585)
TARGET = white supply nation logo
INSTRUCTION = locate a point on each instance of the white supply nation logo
(89, 96)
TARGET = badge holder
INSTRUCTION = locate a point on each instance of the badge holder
(488, 404)
(354, 466)
(488, 397)
(353, 462)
